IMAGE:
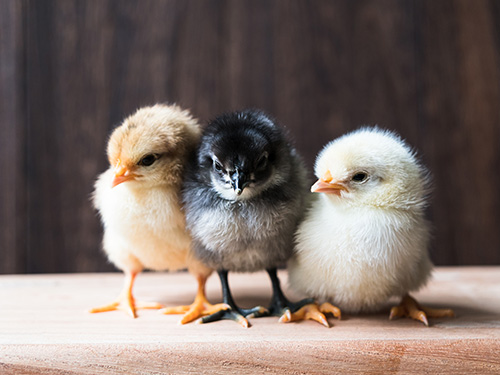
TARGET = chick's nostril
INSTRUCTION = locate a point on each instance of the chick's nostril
(239, 182)
(327, 177)
(121, 170)
(237, 186)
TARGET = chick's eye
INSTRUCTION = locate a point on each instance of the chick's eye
(360, 177)
(218, 166)
(262, 163)
(148, 160)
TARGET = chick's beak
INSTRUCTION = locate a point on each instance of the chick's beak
(327, 185)
(239, 182)
(122, 174)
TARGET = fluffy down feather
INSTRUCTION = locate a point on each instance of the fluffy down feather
(244, 196)
(143, 221)
(365, 240)
(252, 230)
(138, 199)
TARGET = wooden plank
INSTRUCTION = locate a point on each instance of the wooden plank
(44, 329)
(13, 119)
(345, 357)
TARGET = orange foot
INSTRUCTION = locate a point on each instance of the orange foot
(200, 307)
(312, 312)
(126, 301)
(409, 308)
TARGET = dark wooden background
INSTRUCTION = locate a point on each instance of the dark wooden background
(70, 70)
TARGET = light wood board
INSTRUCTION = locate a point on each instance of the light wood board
(45, 329)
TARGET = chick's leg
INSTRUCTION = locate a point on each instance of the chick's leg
(410, 308)
(126, 301)
(279, 303)
(233, 312)
(200, 307)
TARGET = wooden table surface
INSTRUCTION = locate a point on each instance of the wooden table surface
(44, 328)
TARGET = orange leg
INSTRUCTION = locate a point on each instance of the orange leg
(312, 312)
(200, 307)
(126, 301)
(410, 308)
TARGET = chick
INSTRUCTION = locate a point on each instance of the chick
(365, 239)
(244, 196)
(138, 199)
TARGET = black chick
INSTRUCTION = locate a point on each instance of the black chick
(244, 196)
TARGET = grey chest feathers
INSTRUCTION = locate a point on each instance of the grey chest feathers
(243, 236)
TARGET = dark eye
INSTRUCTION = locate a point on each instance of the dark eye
(359, 177)
(262, 163)
(218, 166)
(148, 160)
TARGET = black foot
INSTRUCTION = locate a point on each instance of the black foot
(279, 303)
(279, 306)
(236, 314)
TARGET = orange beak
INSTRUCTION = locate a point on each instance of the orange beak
(326, 185)
(122, 174)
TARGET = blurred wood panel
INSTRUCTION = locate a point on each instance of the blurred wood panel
(460, 122)
(72, 69)
(12, 139)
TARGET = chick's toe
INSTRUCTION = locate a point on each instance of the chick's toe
(199, 308)
(236, 314)
(410, 308)
(312, 311)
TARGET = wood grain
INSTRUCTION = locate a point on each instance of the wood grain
(71, 70)
(44, 329)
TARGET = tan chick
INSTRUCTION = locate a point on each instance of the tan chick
(366, 237)
(138, 199)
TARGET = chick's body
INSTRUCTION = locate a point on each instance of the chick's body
(244, 196)
(139, 200)
(144, 228)
(254, 230)
(243, 235)
(366, 237)
(365, 257)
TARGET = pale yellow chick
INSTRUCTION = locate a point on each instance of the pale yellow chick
(138, 199)
(366, 237)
